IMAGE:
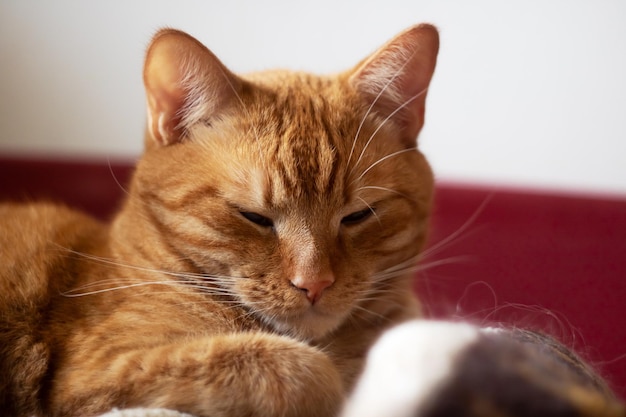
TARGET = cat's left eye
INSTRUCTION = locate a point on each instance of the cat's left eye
(257, 219)
(357, 216)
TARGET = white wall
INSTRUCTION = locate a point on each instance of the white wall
(529, 93)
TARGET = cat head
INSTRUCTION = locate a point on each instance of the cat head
(306, 193)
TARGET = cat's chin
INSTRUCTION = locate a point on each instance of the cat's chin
(309, 326)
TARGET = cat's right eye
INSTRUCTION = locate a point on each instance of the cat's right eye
(257, 219)
(357, 216)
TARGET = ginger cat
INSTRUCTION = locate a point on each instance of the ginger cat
(269, 236)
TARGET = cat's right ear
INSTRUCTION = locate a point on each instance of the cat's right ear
(185, 83)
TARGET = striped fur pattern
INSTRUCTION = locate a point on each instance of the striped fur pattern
(270, 235)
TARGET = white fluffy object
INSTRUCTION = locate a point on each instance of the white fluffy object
(406, 366)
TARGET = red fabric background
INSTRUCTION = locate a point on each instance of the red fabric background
(555, 262)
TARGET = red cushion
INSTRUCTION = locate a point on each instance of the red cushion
(551, 261)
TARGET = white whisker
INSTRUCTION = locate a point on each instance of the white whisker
(391, 155)
(393, 113)
(186, 275)
(372, 210)
(71, 293)
(372, 314)
(371, 107)
(375, 187)
(403, 270)
(369, 110)
(120, 186)
(442, 243)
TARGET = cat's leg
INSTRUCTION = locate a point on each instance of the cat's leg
(240, 374)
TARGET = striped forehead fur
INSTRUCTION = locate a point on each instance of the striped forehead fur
(305, 143)
(298, 124)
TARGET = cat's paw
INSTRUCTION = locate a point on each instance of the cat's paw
(269, 375)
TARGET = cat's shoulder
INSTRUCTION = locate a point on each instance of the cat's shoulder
(36, 233)
(46, 216)
(26, 220)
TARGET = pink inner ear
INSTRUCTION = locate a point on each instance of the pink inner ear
(396, 78)
(164, 113)
(163, 77)
(184, 83)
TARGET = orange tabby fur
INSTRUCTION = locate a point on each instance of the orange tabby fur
(185, 302)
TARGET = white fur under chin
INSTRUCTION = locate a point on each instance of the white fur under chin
(403, 369)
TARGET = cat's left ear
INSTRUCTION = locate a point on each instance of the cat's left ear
(184, 83)
(394, 79)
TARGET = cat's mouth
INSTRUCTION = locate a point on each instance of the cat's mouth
(290, 311)
(310, 324)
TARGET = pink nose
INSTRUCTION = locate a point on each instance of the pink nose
(312, 288)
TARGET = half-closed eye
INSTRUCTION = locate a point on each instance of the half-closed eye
(357, 216)
(257, 219)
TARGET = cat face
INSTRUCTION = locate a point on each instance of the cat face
(300, 192)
